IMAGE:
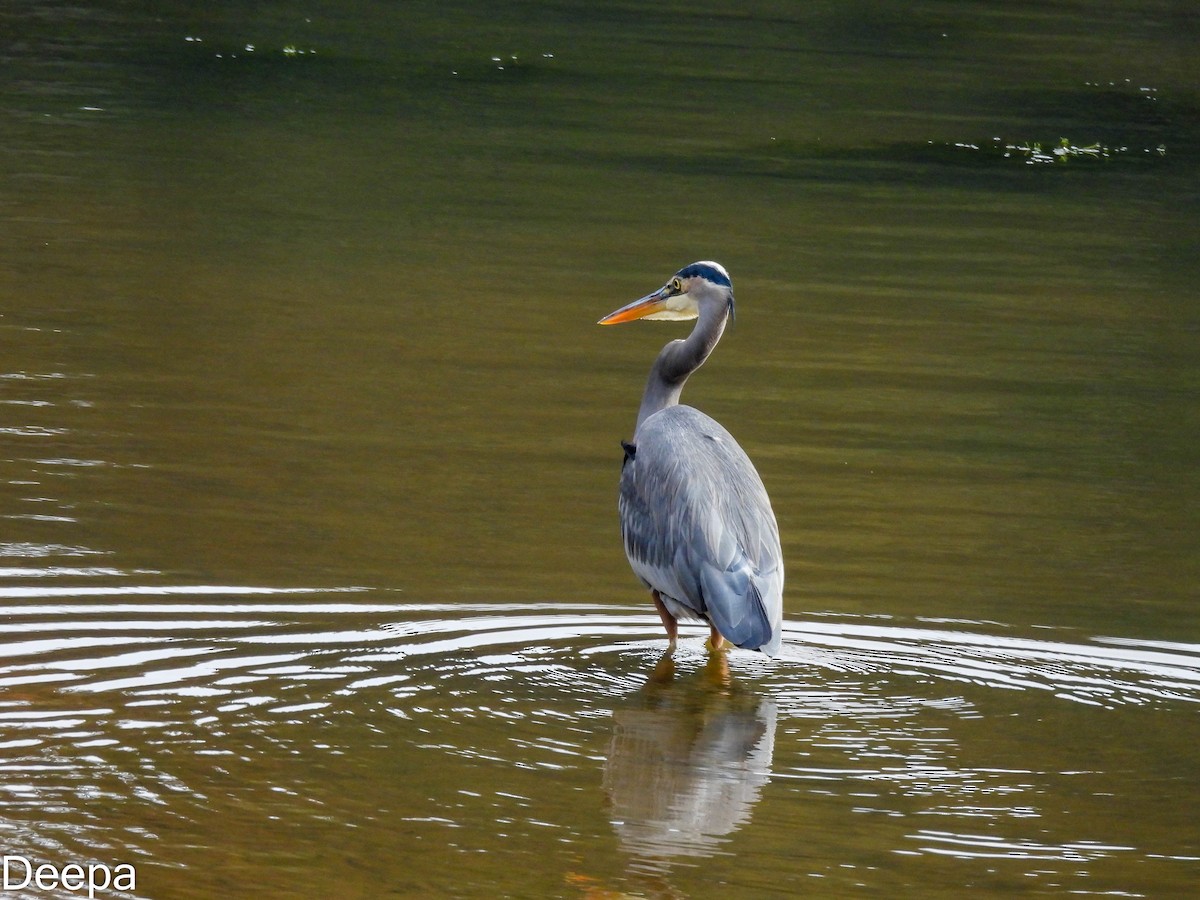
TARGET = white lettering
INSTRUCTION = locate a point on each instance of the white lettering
(129, 874)
(9, 884)
(93, 885)
(71, 877)
(46, 877)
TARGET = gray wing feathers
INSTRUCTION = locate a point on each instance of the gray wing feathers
(734, 601)
(699, 528)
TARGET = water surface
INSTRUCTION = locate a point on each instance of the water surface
(309, 566)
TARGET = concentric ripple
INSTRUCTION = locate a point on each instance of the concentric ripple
(225, 642)
(148, 722)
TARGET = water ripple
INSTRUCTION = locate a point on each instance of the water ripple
(325, 636)
(176, 703)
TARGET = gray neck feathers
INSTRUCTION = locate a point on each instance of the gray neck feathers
(679, 359)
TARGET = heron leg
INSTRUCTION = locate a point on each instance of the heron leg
(668, 620)
(716, 641)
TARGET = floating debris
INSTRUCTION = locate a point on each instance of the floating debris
(1036, 153)
(248, 47)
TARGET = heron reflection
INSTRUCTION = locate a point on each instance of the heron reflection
(687, 762)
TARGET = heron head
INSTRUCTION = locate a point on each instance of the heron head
(702, 284)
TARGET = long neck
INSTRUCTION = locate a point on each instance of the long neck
(679, 359)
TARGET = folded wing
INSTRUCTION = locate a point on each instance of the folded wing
(699, 528)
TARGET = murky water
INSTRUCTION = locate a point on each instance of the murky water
(309, 570)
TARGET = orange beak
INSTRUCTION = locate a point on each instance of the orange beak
(638, 309)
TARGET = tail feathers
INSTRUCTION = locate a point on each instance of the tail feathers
(734, 603)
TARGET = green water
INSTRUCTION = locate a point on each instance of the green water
(310, 571)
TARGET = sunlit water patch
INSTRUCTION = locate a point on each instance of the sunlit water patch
(156, 724)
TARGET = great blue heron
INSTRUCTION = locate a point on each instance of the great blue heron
(696, 520)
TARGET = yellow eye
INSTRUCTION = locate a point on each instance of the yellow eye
(677, 285)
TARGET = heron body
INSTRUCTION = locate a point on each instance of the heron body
(696, 520)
